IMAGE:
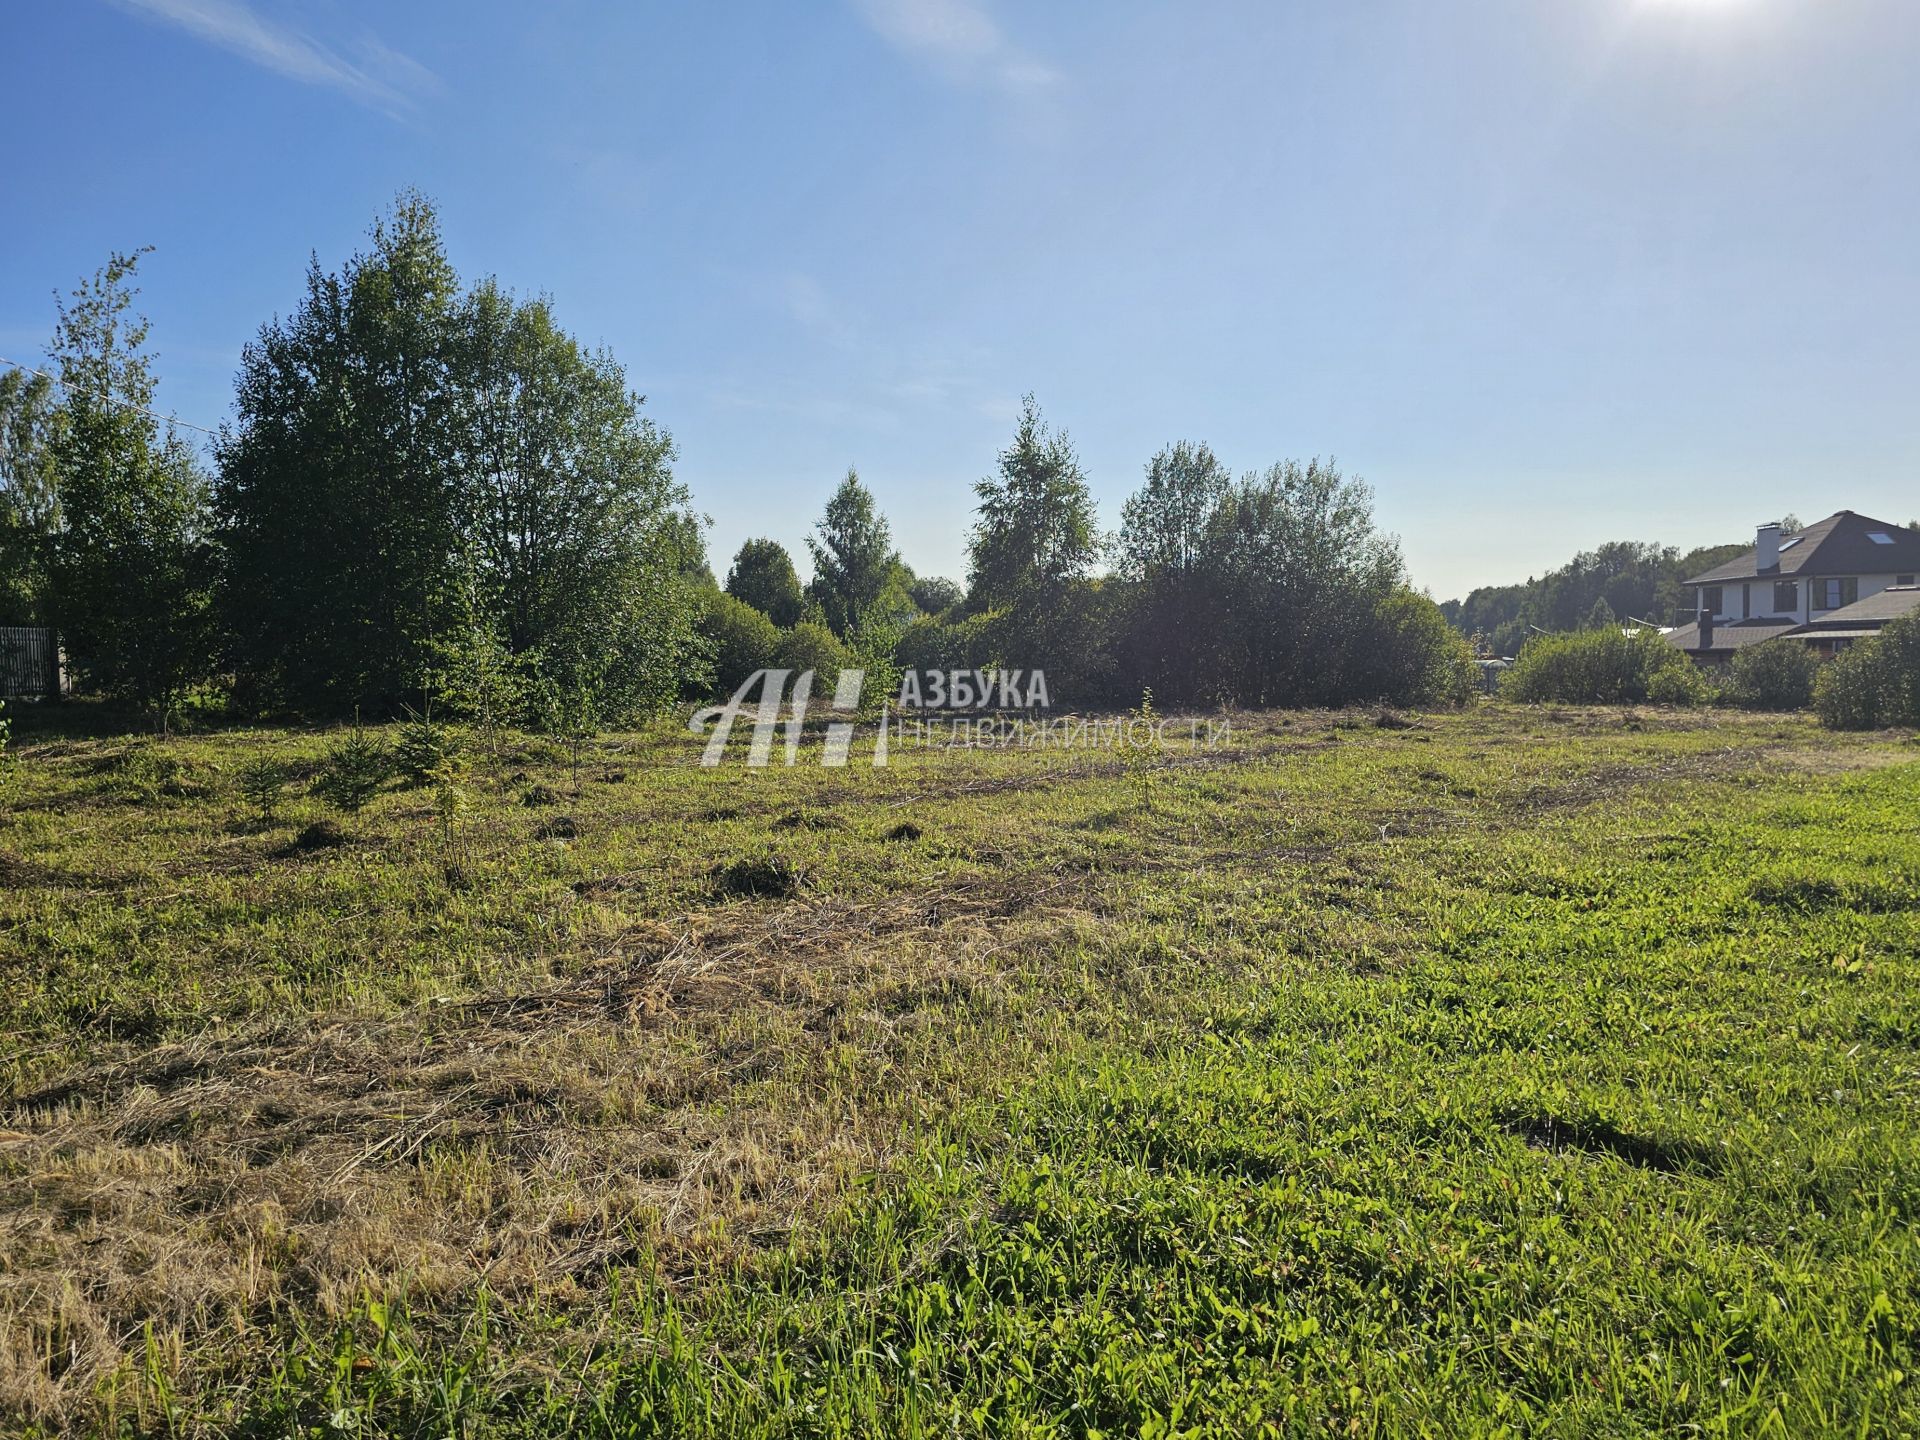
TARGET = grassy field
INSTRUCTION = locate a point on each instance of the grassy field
(1508, 1072)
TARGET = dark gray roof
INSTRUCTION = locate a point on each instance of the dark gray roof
(1734, 636)
(1837, 545)
(1889, 604)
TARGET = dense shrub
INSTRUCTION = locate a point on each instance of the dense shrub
(1897, 654)
(743, 639)
(1604, 667)
(1775, 675)
(971, 643)
(812, 646)
(1409, 655)
(1846, 694)
(1875, 683)
(1681, 684)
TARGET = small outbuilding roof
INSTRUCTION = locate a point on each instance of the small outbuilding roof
(1735, 636)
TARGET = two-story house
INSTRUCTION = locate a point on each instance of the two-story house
(1787, 582)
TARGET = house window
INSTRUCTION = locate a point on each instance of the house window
(1710, 599)
(1880, 537)
(1786, 597)
(1746, 602)
(1832, 594)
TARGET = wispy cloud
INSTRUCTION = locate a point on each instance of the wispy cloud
(374, 75)
(960, 39)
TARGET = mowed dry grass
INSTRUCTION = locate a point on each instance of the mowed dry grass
(247, 1082)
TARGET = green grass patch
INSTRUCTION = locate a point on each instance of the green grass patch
(1524, 1072)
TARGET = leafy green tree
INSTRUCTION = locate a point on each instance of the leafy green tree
(571, 705)
(1173, 619)
(340, 487)
(28, 511)
(395, 434)
(1031, 553)
(1035, 532)
(1276, 589)
(130, 566)
(474, 673)
(1847, 691)
(855, 566)
(950, 641)
(580, 530)
(935, 594)
(763, 577)
(1165, 523)
(1299, 572)
(687, 539)
(1601, 615)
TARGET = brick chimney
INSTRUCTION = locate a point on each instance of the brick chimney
(1766, 548)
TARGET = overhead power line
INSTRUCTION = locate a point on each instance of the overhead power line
(127, 404)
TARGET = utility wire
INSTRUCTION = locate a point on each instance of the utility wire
(150, 414)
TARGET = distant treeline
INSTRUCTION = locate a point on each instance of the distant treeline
(1621, 581)
(432, 494)
(1273, 588)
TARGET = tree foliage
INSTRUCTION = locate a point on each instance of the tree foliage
(339, 494)
(1302, 571)
(741, 637)
(1035, 533)
(28, 508)
(935, 594)
(854, 563)
(129, 565)
(405, 449)
(763, 576)
(811, 646)
(1031, 555)
(568, 494)
(1167, 554)
(1269, 590)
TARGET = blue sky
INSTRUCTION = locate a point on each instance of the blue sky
(1545, 272)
